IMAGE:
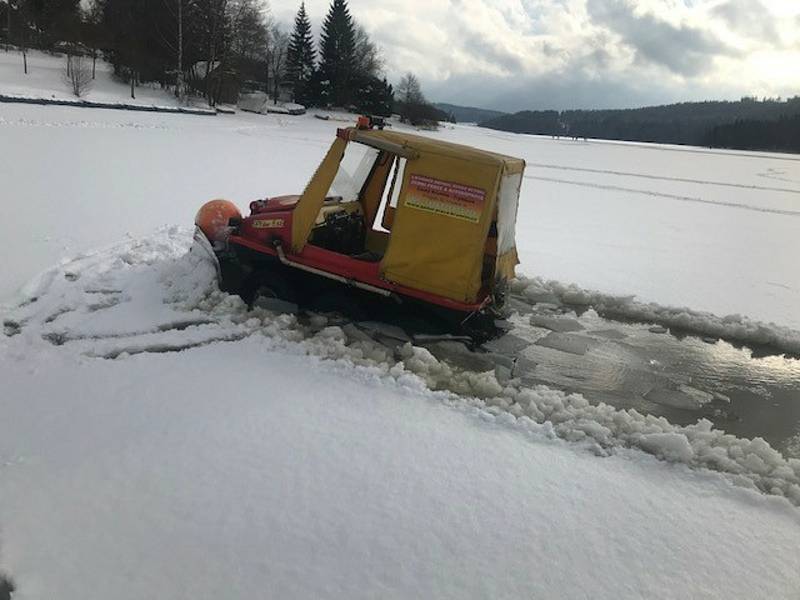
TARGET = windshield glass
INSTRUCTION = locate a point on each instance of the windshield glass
(353, 171)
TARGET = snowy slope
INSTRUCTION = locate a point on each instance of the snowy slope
(254, 468)
(45, 80)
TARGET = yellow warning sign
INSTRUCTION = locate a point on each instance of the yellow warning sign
(445, 198)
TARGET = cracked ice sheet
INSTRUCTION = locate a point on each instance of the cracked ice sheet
(237, 471)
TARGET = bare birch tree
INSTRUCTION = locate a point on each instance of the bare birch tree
(77, 74)
(277, 54)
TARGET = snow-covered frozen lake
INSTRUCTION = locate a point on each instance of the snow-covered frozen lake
(156, 435)
(711, 230)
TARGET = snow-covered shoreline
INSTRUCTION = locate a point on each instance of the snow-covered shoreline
(79, 103)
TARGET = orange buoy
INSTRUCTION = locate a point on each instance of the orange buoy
(214, 216)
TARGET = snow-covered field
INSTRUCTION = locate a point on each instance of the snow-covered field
(157, 436)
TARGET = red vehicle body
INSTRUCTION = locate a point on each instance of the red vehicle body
(386, 215)
(270, 224)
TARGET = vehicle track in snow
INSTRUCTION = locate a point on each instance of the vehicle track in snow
(652, 146)
(663, 177)
(81, 124)
(777, 175)
(678, 197)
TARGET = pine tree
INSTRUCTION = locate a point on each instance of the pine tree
(54, 20)
(301, 56)
(337, 49)
(373, 96)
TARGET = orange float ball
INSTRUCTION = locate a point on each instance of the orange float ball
(213, 218)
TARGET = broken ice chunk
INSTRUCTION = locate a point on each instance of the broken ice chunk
(565, 342)
(685, 396)
(559, 324)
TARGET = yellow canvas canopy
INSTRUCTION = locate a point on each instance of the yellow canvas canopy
(442, 215)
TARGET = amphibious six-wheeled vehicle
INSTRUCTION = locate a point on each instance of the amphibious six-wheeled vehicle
(390, 222)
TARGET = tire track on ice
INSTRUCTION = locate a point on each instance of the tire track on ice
(665, 178)
(693, 199)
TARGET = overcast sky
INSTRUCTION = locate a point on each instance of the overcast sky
(533, 54)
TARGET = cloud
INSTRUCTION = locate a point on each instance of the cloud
(493, 51)
(518, 54)
(683, 49)
(570, 90)
(749, 17)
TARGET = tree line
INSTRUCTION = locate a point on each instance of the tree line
(780, 135)
(219, 48)
(747, 124)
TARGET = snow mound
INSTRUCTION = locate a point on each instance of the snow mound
(159, 294)
(259, 102)
(733, 328)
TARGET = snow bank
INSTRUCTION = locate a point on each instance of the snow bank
(251, 470)
(159, 294)
(259, 102)
(254, 102)
(733, 328)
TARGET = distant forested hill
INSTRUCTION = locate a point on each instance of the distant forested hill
(468, 114)
(748, 123)
(782, 135)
